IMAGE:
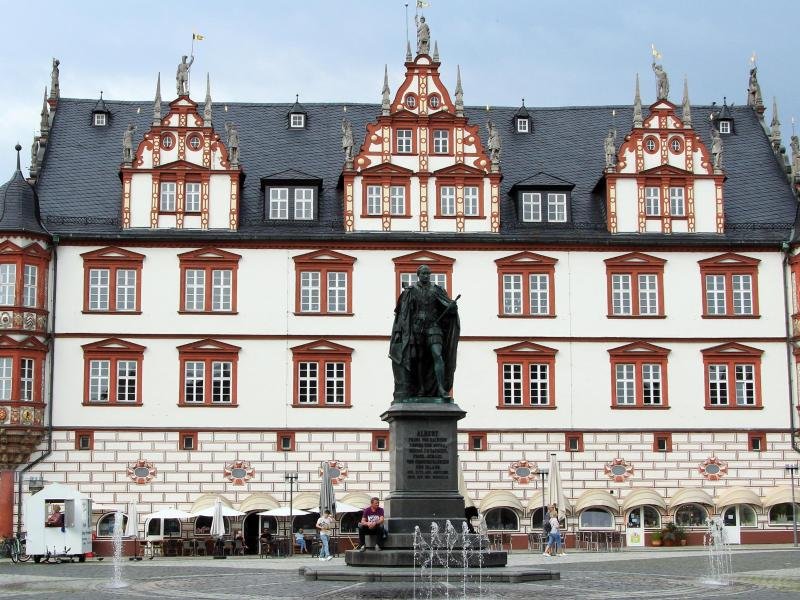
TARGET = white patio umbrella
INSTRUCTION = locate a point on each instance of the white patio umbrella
(169, 513)
(341, 507)
(327, 497)
(217, 520)
(227, 511)
(132, 528)
(555, 491)
(283, 511)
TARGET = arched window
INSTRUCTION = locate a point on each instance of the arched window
(647, 516)
(504, 519)
(691, 515)
(163, 527)
(781, 514)
(349, 522)
(596, 518)
(105, 526)
(202, 525)
(536, 518)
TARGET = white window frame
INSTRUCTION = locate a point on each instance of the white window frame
(652, 384)
(125, 290)
(621, 297)
(625, 384)
(279, 203)
(127, 373)
(297, 121)
(447, 200)
(404, 141)
(167, 195)
(715, 294)
(408, 279)
(539, 383)
(195, 290)
(522, 125)
(745, 384)
(512, 384)
(194, 380)
(539, 293)
(531, 207)
(556, 207)
(221, 290)
(724, 126)
(337, 291)
(512, 294)
(648, 293)
(27, 379)
(441, 141)
(99, 288)
(308, 382)
(397, 200)
(30, 286)
(192, 195)
(310, 291)
(652, 201)
(471, 201)
(304, 204)
(677, 202)
(8, 284)
(99, 380)
(221, 382)
(374, 200)
(100, 119)
(335, 389)
(6, 377)
(718, 384)
(742, 284)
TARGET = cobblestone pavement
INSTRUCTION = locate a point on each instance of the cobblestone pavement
(772, 574)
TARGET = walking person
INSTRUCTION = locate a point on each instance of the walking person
(554, 536)
(324, 525)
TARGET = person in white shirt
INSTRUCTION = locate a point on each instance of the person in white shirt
(324, 525)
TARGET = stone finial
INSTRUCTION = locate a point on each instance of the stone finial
(638, 121)
(687, 107)
(436, 52)
(55, 87)
(459, 93)
(207, 107)
(775, 127)
(18, 147)
(409, 56)
(44, 121)
(386, 101)
(754, 97)
(157, 103)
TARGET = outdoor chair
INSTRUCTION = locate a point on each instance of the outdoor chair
(238, 548)
(187, 548)
(199, 548)
(227, 548)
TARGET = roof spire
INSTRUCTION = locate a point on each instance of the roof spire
(44, 123)
(637, 106)
(436, 51)
(409, 58)
(687, 108)
(775, 127)
(157, 103)
(385, 100)
(18, 148)
(207, 107)
(459, 93)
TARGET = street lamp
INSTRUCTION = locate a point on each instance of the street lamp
(543, 471)
(792, 470)
(291, 478)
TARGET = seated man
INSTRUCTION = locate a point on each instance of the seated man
(371, 524)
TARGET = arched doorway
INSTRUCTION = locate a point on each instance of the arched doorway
(253, 525)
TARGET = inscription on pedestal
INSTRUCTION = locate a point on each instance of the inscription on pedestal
(427, 455)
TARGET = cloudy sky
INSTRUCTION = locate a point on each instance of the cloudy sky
(552, 53)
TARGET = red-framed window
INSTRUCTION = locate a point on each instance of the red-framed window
(23, 275)
(112, 281)
(405, 269)
(284, 441)
(324, 283)
(756, 441)
(208, 281)
(21, 370)
(477, 441)
(635, 283)
(732, 377)
(662, 441)
(573, 442)
(380, 441)
(386, 192)
(112, 373)
(730, 286)
(405, 138)
(459, 197)
(208, 371)
(639, 376)
(526, 376)
(526, 285)
(322, 375)
(84, 439)
(441, 143)
(187, 440)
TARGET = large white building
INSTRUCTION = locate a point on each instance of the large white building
(213, 311)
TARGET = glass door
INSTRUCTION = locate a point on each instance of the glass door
(731, 524)
(634, 529)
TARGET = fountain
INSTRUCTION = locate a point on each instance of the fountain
(719, 553)
(119, 525)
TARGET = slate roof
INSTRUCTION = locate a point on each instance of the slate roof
(79, 186)
(19, 207)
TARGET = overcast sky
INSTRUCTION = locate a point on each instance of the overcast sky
(577, 52)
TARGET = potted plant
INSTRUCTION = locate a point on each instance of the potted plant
(670, 534)
(680, 535)
(655, 538)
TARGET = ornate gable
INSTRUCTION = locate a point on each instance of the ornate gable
(181, 175)
(395, 181)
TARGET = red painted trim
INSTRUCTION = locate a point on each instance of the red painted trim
(113, 350)
(639, 354)
(208, 260)
(87, 433)
(728, 265)
(113, 259)
(666, 436)
(573, 436)
(409, 263)
(321, 352)
(280, 437)
(481, 437)
(34, 255)
(526, 354)
(208, 351)
(323, 262)
(526, 264)
(731, 355)
(187, 434)
(380, 435)
(635, 264)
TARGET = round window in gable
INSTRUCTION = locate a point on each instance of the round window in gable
(434, 100)
(411, 101)
(167, 141)
(676, 145)
(651, 144)
(194, 141)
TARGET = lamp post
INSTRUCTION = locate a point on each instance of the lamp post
(291, 478)
(792, 470)
(543, 471)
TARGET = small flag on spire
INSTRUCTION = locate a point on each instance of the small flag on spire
(423, 4)
(753, 58)
(198, 37)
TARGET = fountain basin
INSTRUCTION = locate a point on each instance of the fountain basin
(499, 575)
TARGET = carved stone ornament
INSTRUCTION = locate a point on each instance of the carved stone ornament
(523, 472)
(142, 471)
(239, 472)
(618, 470)
(713, 468)
(337, 471)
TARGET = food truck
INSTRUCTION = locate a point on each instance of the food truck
(58, 523)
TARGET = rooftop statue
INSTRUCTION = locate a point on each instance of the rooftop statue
(716, 149)
(610, 148)
(754, 89)
(347, 140)
(423, 36)
(127, 144)
(494, 143)
(233, 144)
(182, 76)
(424, 341)
(55, 90)
(662, 81)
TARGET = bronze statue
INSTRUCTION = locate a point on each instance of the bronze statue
(424, 341)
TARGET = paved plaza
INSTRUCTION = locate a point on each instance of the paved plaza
(772, 574)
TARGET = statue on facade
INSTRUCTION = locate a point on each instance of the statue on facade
(233, 144)
(347, 140)
(716, 149)
(127, 144)
(610, 148)
(794, 144)
(494, 143)
(182, 75)
(754, 89)
(423, 36)
(424, 340)
(55, 89)
(662, 81)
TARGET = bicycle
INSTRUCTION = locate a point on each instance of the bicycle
(15, 548)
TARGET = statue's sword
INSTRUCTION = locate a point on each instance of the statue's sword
(445, 311)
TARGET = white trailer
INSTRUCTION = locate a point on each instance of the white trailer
(46, 538)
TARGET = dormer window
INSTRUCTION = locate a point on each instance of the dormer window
(725, 127)
(522, 125)
(100, 113)
(100, 119)
(522, 119)
(297, 121)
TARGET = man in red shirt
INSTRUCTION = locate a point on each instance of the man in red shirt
(371, 524)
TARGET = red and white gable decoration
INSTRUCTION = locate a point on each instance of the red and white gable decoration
(181, 150)
(421, 146)
(664, 180)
